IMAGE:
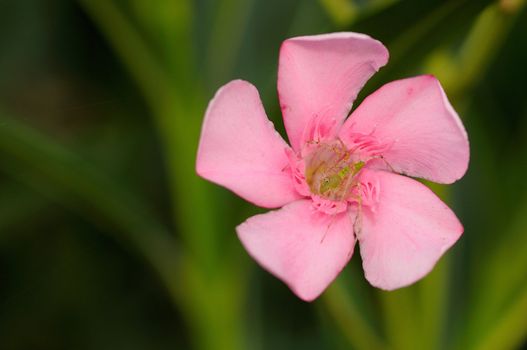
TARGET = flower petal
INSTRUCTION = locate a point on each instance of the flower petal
(420, 130)
(407, 232)
(321, 75)
(303, 247)
(240, 149)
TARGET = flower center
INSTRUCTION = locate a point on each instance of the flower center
(331, 170)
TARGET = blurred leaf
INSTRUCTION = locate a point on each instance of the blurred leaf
(401, 318)
(509, 329)
(412, 45)
(344, 309)
(168, 26)
(345, 12)
(175, 111)
(500, 288)
(228, 29)
(342, 12)
(177, 106)
(31, 158)
(434, 298)
(144, 66)
(16, 205)
(458, 72)
(417, 33)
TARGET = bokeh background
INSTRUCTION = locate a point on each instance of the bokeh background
(108, 239)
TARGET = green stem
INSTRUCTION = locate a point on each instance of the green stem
(401, 318)
(142, 64)
(509, 330)
(486, 313)
(345, 313)
(433, 291)
(225, 38)
(177, 121)
(459, 72)
(345, 13)
(400, 49)
(209, 297)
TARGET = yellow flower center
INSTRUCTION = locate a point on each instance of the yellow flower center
(330, 171)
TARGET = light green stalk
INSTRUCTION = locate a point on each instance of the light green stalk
(213, 292)
(343, 309)
(508, 330)
(460, 71)
(346, 12)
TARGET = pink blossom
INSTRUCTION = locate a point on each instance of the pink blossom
(339, 181)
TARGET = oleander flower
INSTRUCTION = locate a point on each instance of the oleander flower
(341, 179)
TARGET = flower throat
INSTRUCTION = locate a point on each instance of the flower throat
(331, 171)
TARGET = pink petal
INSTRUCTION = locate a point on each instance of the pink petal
(240, 149)
(405, 234)
(303, 247)
(321, 75)
(413, 119)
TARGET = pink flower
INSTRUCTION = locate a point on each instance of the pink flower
(339, 181)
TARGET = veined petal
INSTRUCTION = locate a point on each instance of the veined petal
(320, 76)
(406, 233)
(301, 246)
(240, 149)
(420, 131)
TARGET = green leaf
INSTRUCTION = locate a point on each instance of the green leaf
(508, 330)
(460, 70)
(345, 12)
(54, 170)
(345, 312)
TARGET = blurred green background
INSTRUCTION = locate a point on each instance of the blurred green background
(108, 240)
